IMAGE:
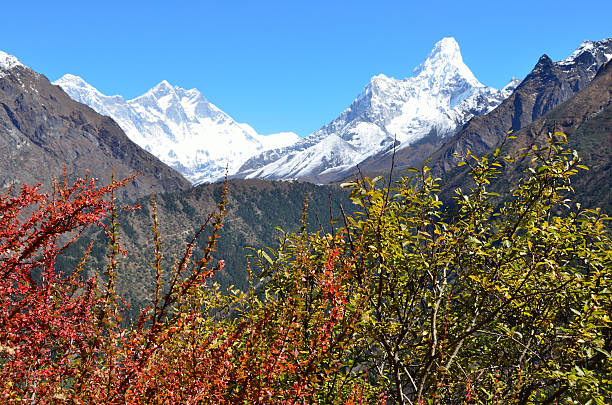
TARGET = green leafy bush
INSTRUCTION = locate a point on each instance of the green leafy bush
(486, 303)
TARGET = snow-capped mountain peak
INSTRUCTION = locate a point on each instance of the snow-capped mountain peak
(85, 93)
(75, 81)
(163, 85)
(181, 127)
(165, 89)
(7, 62)
(598, 49)
(512, 84)
(442, 95)
(593, 54)
(444, 61)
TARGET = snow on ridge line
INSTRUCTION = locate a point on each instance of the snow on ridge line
(588, 46)
(441, 95)
(7, 62)
(181, 127)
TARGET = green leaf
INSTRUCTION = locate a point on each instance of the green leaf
(602, 351)
(265, 256)
(377, 178)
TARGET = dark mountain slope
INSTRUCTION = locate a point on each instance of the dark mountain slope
(549, 84)
(42, 130)
(587, 120)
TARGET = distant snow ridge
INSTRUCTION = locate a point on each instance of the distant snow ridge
(181, 127)
(596, 53)
(598, 49)
(8, 62)
(442, 95)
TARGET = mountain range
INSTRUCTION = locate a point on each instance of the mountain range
(195, 137)
(439, 112)
(181, 127)
(439, 98)
(44, 133)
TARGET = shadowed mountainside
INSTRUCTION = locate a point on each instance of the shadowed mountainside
(43, 131)
(586, 119)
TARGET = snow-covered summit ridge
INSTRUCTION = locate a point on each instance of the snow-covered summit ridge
(600, 50)
(181, 127)
(7, 62)
(512, 84)
(441, 96)
(75, 81)
(445, 58)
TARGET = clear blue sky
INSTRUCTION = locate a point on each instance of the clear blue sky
(286, 65)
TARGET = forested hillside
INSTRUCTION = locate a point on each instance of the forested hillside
(256, 211)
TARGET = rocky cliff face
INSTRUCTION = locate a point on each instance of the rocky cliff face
(43, 131)
(441, 95)
(548, 85)
(586, 119)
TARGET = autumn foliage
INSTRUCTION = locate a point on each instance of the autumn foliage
(62, 338)
(47, 319)
(499, 300)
